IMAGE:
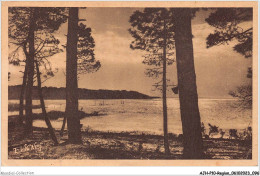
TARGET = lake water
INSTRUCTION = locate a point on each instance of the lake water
(146, 115)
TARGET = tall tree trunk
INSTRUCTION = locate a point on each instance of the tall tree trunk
(190, 116)
(21, 107)
(47, 120)
(30, 63)
(74, 132)
(165, 118)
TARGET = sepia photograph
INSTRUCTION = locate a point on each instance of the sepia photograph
(133, 83)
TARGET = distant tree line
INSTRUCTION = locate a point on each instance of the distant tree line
(54, 93)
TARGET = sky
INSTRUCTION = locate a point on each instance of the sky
(218, 69)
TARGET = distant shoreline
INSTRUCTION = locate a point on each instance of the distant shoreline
(54, 93)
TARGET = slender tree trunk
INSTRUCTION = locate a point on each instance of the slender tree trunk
(165, 118)
(21, 107)
(63, 126)
(71, 113)
(30, 63)
(190, 116)
(47, 120)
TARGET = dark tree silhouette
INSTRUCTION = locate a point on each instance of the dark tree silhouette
(47, 120)
(85, 51)
(86, 62)
(25, 27)
(244, 94)
(227, 21)
(49, 47)
(71, 113)
(190, 115)
(152, 30)
(30, 72)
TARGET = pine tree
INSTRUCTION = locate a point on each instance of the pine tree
(26, 26)
(227, 28)
(71, 78)
(152, 30)
(86, 61)
(190, 115)
(226, 22)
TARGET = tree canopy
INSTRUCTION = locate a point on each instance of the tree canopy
(86, 57)
(226, 21)
(153, 32)
(48, 19)
(46, 45)
(149, 29)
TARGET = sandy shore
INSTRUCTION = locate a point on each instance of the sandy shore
(111, 145)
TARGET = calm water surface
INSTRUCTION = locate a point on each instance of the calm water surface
(146, 115)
